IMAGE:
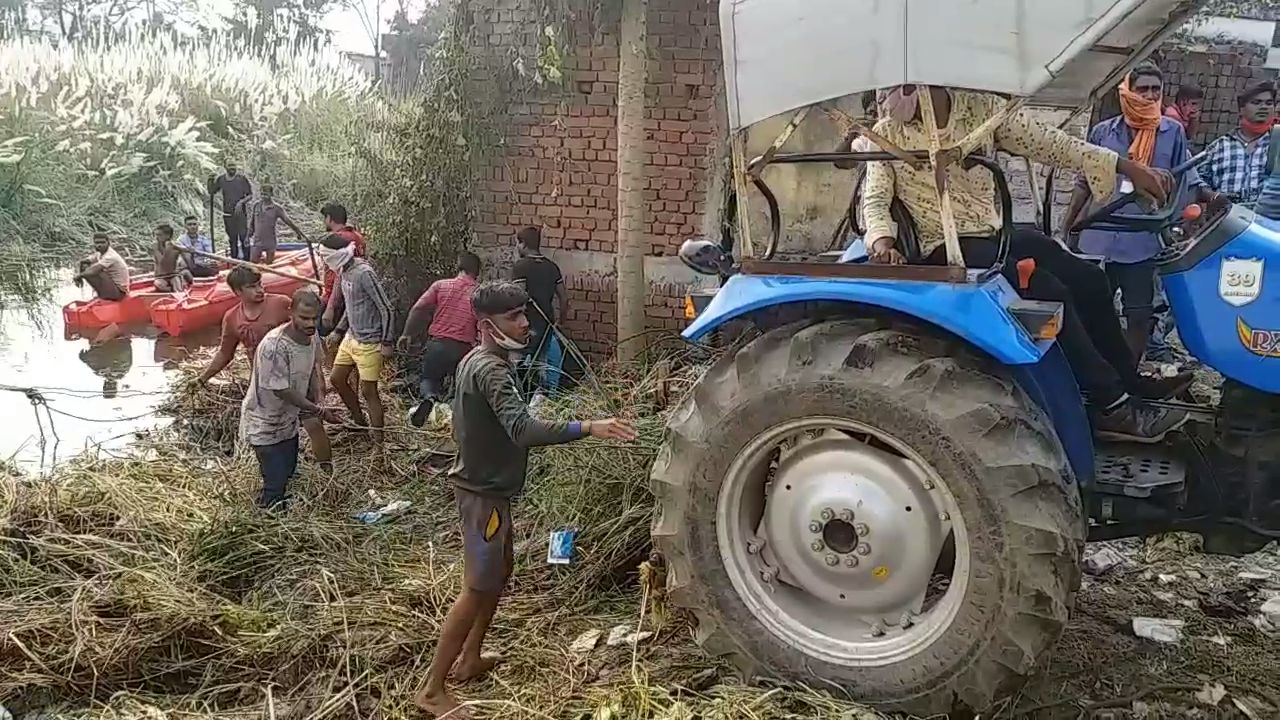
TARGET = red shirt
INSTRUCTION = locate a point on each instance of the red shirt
(236, 327)
(349, 234)
(454, 317)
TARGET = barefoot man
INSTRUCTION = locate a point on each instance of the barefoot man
(494, 431)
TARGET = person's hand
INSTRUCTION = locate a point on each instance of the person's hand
(402, 344)
(195, 385)
(883, 252)
(329, 415)
(612, 429)
(1148, 181)
(387, 350)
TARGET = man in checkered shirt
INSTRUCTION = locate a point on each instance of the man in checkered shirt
(1236, 163)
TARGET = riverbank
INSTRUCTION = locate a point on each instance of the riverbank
(147, 586)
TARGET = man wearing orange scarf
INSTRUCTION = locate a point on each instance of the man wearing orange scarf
(1143, 134)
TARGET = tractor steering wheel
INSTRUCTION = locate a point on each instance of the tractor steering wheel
(1109, 217)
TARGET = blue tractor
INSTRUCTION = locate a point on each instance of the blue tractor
(886, 484)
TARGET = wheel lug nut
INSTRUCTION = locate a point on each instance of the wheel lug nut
(908, 619)
(816, 546)
(754, 546)
(846, 514)
(864, 549)
(877, 630)
(815, 527)
(768, 574)
(944, 516)
(862, 529)
(828, 514)
(851, 561)
(832, 560)
(928, 484)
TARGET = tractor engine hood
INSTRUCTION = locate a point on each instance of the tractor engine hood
(781, 55)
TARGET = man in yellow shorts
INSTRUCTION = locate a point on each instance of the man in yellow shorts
(370, 337)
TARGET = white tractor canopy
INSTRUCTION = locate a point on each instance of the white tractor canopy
(782, 55)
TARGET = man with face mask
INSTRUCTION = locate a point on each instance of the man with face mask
(370, 337)
(1236, 165)
(494, 431)
(1091, 336)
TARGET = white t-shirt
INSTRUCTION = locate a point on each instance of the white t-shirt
(115, 268)
(281, 363)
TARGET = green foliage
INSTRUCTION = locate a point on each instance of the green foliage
(117, 134)
(418, 166)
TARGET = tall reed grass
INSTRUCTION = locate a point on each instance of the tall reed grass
(118, 133)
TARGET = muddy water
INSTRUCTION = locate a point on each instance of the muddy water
(97, 396)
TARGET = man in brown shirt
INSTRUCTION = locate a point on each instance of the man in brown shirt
(263, 215)
(246, 324)
(106, 272)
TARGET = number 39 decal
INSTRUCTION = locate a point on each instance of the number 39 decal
(1240, 281)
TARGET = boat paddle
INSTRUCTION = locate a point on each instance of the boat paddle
(259, 268)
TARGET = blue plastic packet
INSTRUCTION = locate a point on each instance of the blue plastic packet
(560, 546)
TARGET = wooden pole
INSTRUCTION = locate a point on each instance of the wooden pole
(260, 268)
(632, 243)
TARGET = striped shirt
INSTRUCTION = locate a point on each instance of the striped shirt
(369, 311)
(453, 317)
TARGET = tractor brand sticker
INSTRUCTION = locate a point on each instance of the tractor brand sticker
(1265, 343)
(880, 572)
(1240, 281)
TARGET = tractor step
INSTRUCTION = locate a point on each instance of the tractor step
(1137, 471)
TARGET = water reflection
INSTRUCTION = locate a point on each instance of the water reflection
(92, 392)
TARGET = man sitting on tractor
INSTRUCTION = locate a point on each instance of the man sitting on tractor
(1091, 335)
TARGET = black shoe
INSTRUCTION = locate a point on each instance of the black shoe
(1163, 388)
(1138, 422)
(420, 412)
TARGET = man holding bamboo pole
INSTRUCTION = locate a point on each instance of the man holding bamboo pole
(494, 431)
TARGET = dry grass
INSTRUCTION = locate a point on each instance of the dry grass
(150, 587)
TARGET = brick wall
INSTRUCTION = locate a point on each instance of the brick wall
(1221, 72)
(557, 161)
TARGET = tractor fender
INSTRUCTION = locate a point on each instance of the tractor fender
(975, 312)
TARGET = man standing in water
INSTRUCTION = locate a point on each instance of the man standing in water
(263, 215)
(370, 338)
(247, 324)
(494, 431)
(285, 382)
(234, 188)
(106, 272)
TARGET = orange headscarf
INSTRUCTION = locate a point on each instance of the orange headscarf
(1143, 116)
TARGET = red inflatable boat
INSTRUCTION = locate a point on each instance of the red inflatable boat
(202, 304)
(201, 308)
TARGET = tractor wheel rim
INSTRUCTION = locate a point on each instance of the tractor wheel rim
(832, 531)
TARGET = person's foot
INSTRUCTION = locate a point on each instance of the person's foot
(1163, 388)
(1135, 421)
(466, 671)
(420, 412)
(441, 706)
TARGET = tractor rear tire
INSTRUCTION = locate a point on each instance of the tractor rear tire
(962, 415)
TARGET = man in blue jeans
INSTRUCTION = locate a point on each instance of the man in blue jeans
(1143, 134)
(544, 282)
(285, 380)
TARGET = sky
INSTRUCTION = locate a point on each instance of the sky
(349, 33)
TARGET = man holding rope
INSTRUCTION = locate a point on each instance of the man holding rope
(494, 431)
(1091, 337)
(246, 325)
